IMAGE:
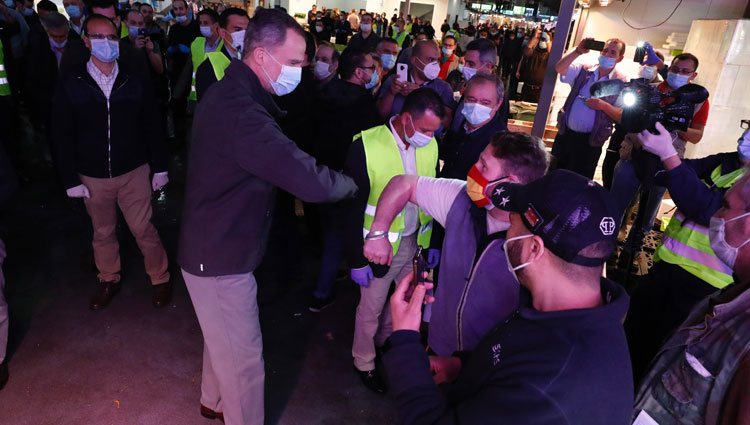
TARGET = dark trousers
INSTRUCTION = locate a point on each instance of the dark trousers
(571, 151)
(659, 304)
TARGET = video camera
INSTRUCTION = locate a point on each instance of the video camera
(644, 105)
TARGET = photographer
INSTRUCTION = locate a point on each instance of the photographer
(685, 267)
(540, 364)
(137, 36)
(585, 123)
(627, 180)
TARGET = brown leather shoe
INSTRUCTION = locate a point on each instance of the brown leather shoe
(107, 291)
(162, 294)
(210, 414)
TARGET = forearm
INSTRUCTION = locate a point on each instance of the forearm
(385, 104)
(399, 191)
(561, 67)
(613, 112)
(692, 135)
(156, 62)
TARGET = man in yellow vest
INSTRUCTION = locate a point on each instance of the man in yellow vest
(405, 145)
(209, 41)
(686, 269)
(233, 22)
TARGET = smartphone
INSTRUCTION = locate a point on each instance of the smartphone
(142, 32)
(402, 72)
(594, 45)
(419, 264)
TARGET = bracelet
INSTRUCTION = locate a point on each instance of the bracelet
(375, 235)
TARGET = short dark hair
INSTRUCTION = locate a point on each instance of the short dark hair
(522, 154)
(147, 5)
(349, 61)
(55, 20)
(388, 40)
(210, 13)
(486, 48)
(232, 11)
(366, 14)
(687, 56)
(420, 45)
(95, 17)
(422, 100)
(268, 29)
(46, 5)
(103, 4)
(335, 55)
(183, 2)
(451, 37)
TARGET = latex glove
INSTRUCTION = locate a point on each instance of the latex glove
(362, 276)
(159, 181)
(658, 144)
(433, 257)
(79, 191)
(651, 58)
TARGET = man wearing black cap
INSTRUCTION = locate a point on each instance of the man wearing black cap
(562, 357)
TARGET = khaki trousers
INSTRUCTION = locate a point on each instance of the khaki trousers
(132, 193)
(372, 325)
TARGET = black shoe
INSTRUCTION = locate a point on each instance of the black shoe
(3, 374)
(211, 414)
(372, 380)
(107, 291)
(162, 294)
(318, 304)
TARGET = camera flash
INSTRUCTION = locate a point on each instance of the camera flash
(628, 99)
(640, 44)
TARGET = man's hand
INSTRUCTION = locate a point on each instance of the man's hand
(378, 251)
(407, 315)
(445, 369)
(80, 191)
(433, 257)
(580, 48)
(396, 86)
(362, 276)
(140, 42)
(149, 45)
(659, 144)
(159, 181)
(596, 103)
(408, 87)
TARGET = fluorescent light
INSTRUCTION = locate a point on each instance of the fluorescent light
(603, 3)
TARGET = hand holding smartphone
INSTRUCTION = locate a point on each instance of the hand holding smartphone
(402, 72)
(419, 264)
(592, 44)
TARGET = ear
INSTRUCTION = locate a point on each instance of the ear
(87, 42)
(694, 76)
(536, 248)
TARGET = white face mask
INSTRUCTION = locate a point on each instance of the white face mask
(288, 78)
(238, 40)
(365, 27)
(716, 233)
(205, 31)
(647, 72)
(431, 70)
(513, 269)
(322, 70)
(468, 72)
(476, 113)
(389, 60)
(447, 51)
(418, 139)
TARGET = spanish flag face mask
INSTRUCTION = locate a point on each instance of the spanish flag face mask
(476, 186)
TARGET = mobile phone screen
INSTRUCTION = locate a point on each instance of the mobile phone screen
(595, 45)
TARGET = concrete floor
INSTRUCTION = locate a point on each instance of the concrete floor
(133, 364)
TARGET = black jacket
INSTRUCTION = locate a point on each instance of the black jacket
(41, 76)
(82, 141)
(460, 150)
(537, 368)
(368, 44)
(205, 76)
(237, 157)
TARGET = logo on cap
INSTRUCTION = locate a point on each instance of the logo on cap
(607, 226)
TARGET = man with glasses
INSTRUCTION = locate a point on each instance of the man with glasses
(107, 160)
(626, 182)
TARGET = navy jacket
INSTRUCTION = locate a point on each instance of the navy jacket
(238, 156)
(536, 368)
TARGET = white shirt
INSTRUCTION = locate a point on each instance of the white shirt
(212, 47)
(581, 117)
(436, 197)
(104, 81)
(409, 160)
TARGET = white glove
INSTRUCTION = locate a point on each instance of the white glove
(658, 144)
(79, 191)
(159, 181)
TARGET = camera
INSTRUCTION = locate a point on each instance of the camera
(644, 105)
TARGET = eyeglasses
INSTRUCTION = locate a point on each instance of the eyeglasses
(371, 68)
(681, 71)
(110, 37)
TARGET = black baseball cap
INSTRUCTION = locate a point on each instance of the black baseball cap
(568, 211)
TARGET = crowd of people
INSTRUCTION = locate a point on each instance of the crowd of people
(398, 146)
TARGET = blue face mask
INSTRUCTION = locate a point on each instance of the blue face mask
(607, 62)
(73, 11)
(373, 81)
(677, 80)
(389, 61)
(105, 50)
(181, 19)
(133, 31)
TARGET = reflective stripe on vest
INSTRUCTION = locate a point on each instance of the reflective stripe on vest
(727, 180)
(198, 55)
(686, 244)
(4, 86)
(384, 162)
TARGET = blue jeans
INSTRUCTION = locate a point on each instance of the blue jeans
(333, 249)
(625, 186)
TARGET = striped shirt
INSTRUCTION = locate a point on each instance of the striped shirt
(104, 81)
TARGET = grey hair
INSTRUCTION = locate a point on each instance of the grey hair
(268, 28)
(482, 77)
(55, 20)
